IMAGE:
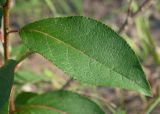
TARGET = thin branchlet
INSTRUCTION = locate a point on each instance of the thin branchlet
(132, 15)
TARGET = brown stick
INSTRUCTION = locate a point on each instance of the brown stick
(11, 101)
(6, 10)
(13, 31)
(133, 15)
(6, 14)
(67, 83)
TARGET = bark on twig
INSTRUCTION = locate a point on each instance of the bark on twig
(6, 11)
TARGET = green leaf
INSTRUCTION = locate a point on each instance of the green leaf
(18, 51)
(23, 98)
(6, 81)
(25, 76)
(5, 108)
(2, 2)
(88, 51)
(60, 102)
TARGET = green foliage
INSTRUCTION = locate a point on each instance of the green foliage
(23, 98)
(6, 81)
(78, 6)
(65, 7)
(87, 50)
(142, 29)
(51, 7)
(59, 102)
(153, 104)
(133, 45)
(2, 2)
(24, 76)
(5, 108)
(118, 110)
(158, 5)
(84, 49)
(145, 37)
(25, 5)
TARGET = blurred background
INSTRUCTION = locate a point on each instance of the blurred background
(138, 21)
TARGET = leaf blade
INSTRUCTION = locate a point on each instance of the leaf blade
(85, 48)
(60, 102)
(23, 98)
(2, 2)
(6, 81)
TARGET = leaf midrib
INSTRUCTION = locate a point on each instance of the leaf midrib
(68, 45)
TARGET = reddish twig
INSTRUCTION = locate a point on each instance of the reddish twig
(13, 31)
(6, 13)
(6, 10)
(11, 101)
